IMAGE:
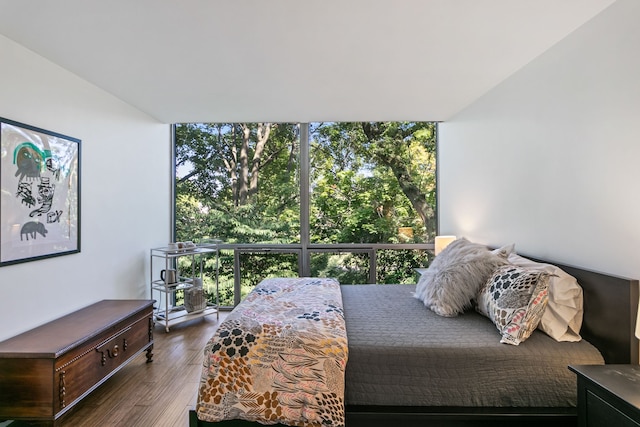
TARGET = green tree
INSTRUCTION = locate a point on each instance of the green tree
(227, 164)
(373, 176)
(240, 182)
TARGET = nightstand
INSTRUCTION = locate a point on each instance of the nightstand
(608, 395)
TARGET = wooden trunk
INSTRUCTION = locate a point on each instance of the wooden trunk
(44, 372)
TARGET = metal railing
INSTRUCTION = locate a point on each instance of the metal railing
(304, 253)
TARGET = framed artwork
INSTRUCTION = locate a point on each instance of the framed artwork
(40, 190)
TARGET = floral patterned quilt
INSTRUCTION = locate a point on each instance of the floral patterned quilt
(279, 357)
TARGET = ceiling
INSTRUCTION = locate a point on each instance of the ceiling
(294, 60)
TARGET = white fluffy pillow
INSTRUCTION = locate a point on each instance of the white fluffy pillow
(562, 318)
(452, 281)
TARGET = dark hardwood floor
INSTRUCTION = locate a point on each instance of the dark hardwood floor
(154, 394)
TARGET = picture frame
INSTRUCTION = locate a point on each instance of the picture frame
(40, 193)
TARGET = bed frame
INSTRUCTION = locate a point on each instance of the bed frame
(610, 310)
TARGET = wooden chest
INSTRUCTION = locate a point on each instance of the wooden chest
(44, 372)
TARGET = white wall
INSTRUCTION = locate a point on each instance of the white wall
(124, 196)
(549, 158)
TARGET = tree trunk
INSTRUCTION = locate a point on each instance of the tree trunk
(243, 175)
(232, 164)
(397, 165)
(264, 129)
(410, 189)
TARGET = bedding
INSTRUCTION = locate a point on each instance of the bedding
(401, 354)
(456, 278)
(279, 357)
(409, 366)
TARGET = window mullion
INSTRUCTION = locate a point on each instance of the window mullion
(305, 259)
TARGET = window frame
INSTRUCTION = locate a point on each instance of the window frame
(305, 248)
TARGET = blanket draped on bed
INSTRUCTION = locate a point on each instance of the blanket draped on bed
(279, 357)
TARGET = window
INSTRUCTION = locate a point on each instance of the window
(238, 182)
(372, 182)
(354, 201)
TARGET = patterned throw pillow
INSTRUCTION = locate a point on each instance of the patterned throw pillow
(514, 299)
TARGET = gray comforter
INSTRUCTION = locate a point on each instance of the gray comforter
(402, 354)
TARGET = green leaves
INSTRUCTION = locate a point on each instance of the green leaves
(370, 178)
(240, 182)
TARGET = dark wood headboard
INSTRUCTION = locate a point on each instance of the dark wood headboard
(610, 310)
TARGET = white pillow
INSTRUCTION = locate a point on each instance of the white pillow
(562, 318)
(451, 283)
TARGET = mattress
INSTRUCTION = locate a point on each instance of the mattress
(402, 354)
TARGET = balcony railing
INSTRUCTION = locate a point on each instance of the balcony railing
(237, 261)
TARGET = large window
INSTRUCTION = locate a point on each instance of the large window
(354, 201)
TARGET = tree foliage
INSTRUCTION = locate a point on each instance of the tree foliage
(226, 165)
(371, 178)
(240, 182)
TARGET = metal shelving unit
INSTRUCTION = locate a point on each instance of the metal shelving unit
(166, 312)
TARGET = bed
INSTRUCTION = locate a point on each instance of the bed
(387, 356)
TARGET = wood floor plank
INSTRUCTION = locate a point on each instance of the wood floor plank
(178, 408)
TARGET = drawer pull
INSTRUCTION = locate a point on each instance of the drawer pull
(115, 351)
